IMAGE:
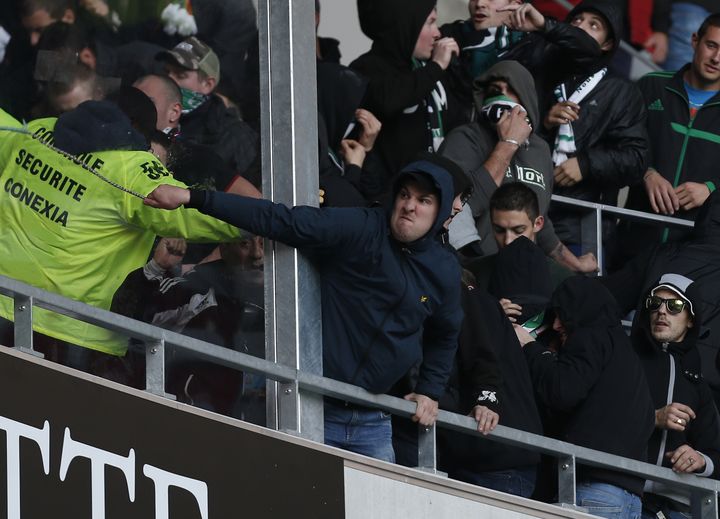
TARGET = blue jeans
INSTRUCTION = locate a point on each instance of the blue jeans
(605, 500)
(519, 482)
(686, 19)
(361, 430)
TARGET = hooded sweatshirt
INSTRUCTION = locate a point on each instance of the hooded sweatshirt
(65, 230)
(674, 375)
(406, 95)
(471, 144)
(696, 257)
(386, 305)
(595, 373)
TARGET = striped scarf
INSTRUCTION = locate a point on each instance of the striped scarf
(565, 139)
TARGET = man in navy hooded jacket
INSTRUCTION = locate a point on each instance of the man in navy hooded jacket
(390, 288)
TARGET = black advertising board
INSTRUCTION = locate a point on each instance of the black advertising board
(78, 449)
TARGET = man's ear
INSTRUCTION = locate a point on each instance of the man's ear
(209, 85)
(539, 223)
(68, 16)
(87, 57)
(175, 112)
(694, 41)
(690, 323)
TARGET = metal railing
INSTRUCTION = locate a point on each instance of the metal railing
(591, 222)
(703, 491)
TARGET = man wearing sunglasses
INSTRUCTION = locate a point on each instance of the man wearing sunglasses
(686, 435)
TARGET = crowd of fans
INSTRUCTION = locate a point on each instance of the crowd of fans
(130, 174)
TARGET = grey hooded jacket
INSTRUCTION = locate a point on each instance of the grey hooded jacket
(471, 144)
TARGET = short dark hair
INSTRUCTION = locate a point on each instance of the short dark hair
(711, 21)
(515, 196)
(55, 8)
(170, 88)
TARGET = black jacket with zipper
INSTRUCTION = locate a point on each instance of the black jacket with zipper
(674, 375)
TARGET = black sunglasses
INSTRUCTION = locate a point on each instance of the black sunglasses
(674, 306)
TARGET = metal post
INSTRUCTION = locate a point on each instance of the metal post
(427, 448)
(566, 480)
(704, 505)
(155, 368)
(591, 233)
(23, 325)
(290, 176)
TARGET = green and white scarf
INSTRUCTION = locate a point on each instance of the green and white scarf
(565, 139)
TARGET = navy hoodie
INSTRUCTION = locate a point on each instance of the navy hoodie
(385, 305)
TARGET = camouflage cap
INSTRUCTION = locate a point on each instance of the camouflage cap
(194, 54)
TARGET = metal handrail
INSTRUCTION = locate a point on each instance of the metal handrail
(704, 491)
(591, 223)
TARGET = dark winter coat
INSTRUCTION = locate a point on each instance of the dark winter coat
(213, 125)
(674, 375)
(596, 372)
(385, 305)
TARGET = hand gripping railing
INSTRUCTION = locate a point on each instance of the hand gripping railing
(591, 222)
(703, 491)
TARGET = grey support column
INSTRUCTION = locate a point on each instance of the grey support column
(290, 176)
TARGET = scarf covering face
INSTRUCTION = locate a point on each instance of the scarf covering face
(565, 139)
(192, 100)
(494, 107)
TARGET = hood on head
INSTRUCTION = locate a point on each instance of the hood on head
(613, 15)
(522, 275)
(707, 220)
(686, 289)
(582, 302)
(394, 25)
(518, 78)
(435, 171)
(97, 126)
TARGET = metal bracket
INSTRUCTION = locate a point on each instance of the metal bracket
(566, 480)
(155, 368)
(427, 448)
(704, 505)
(23, 325)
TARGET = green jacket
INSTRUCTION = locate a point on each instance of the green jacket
(65, 230)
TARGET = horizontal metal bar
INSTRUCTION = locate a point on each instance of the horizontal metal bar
(625, 214)
(334, 388)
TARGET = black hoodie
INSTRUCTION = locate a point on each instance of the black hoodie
(595, 386)
(399, 93)
(698, 258)
(674, 375)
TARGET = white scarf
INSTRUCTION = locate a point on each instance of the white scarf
(565, 139)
